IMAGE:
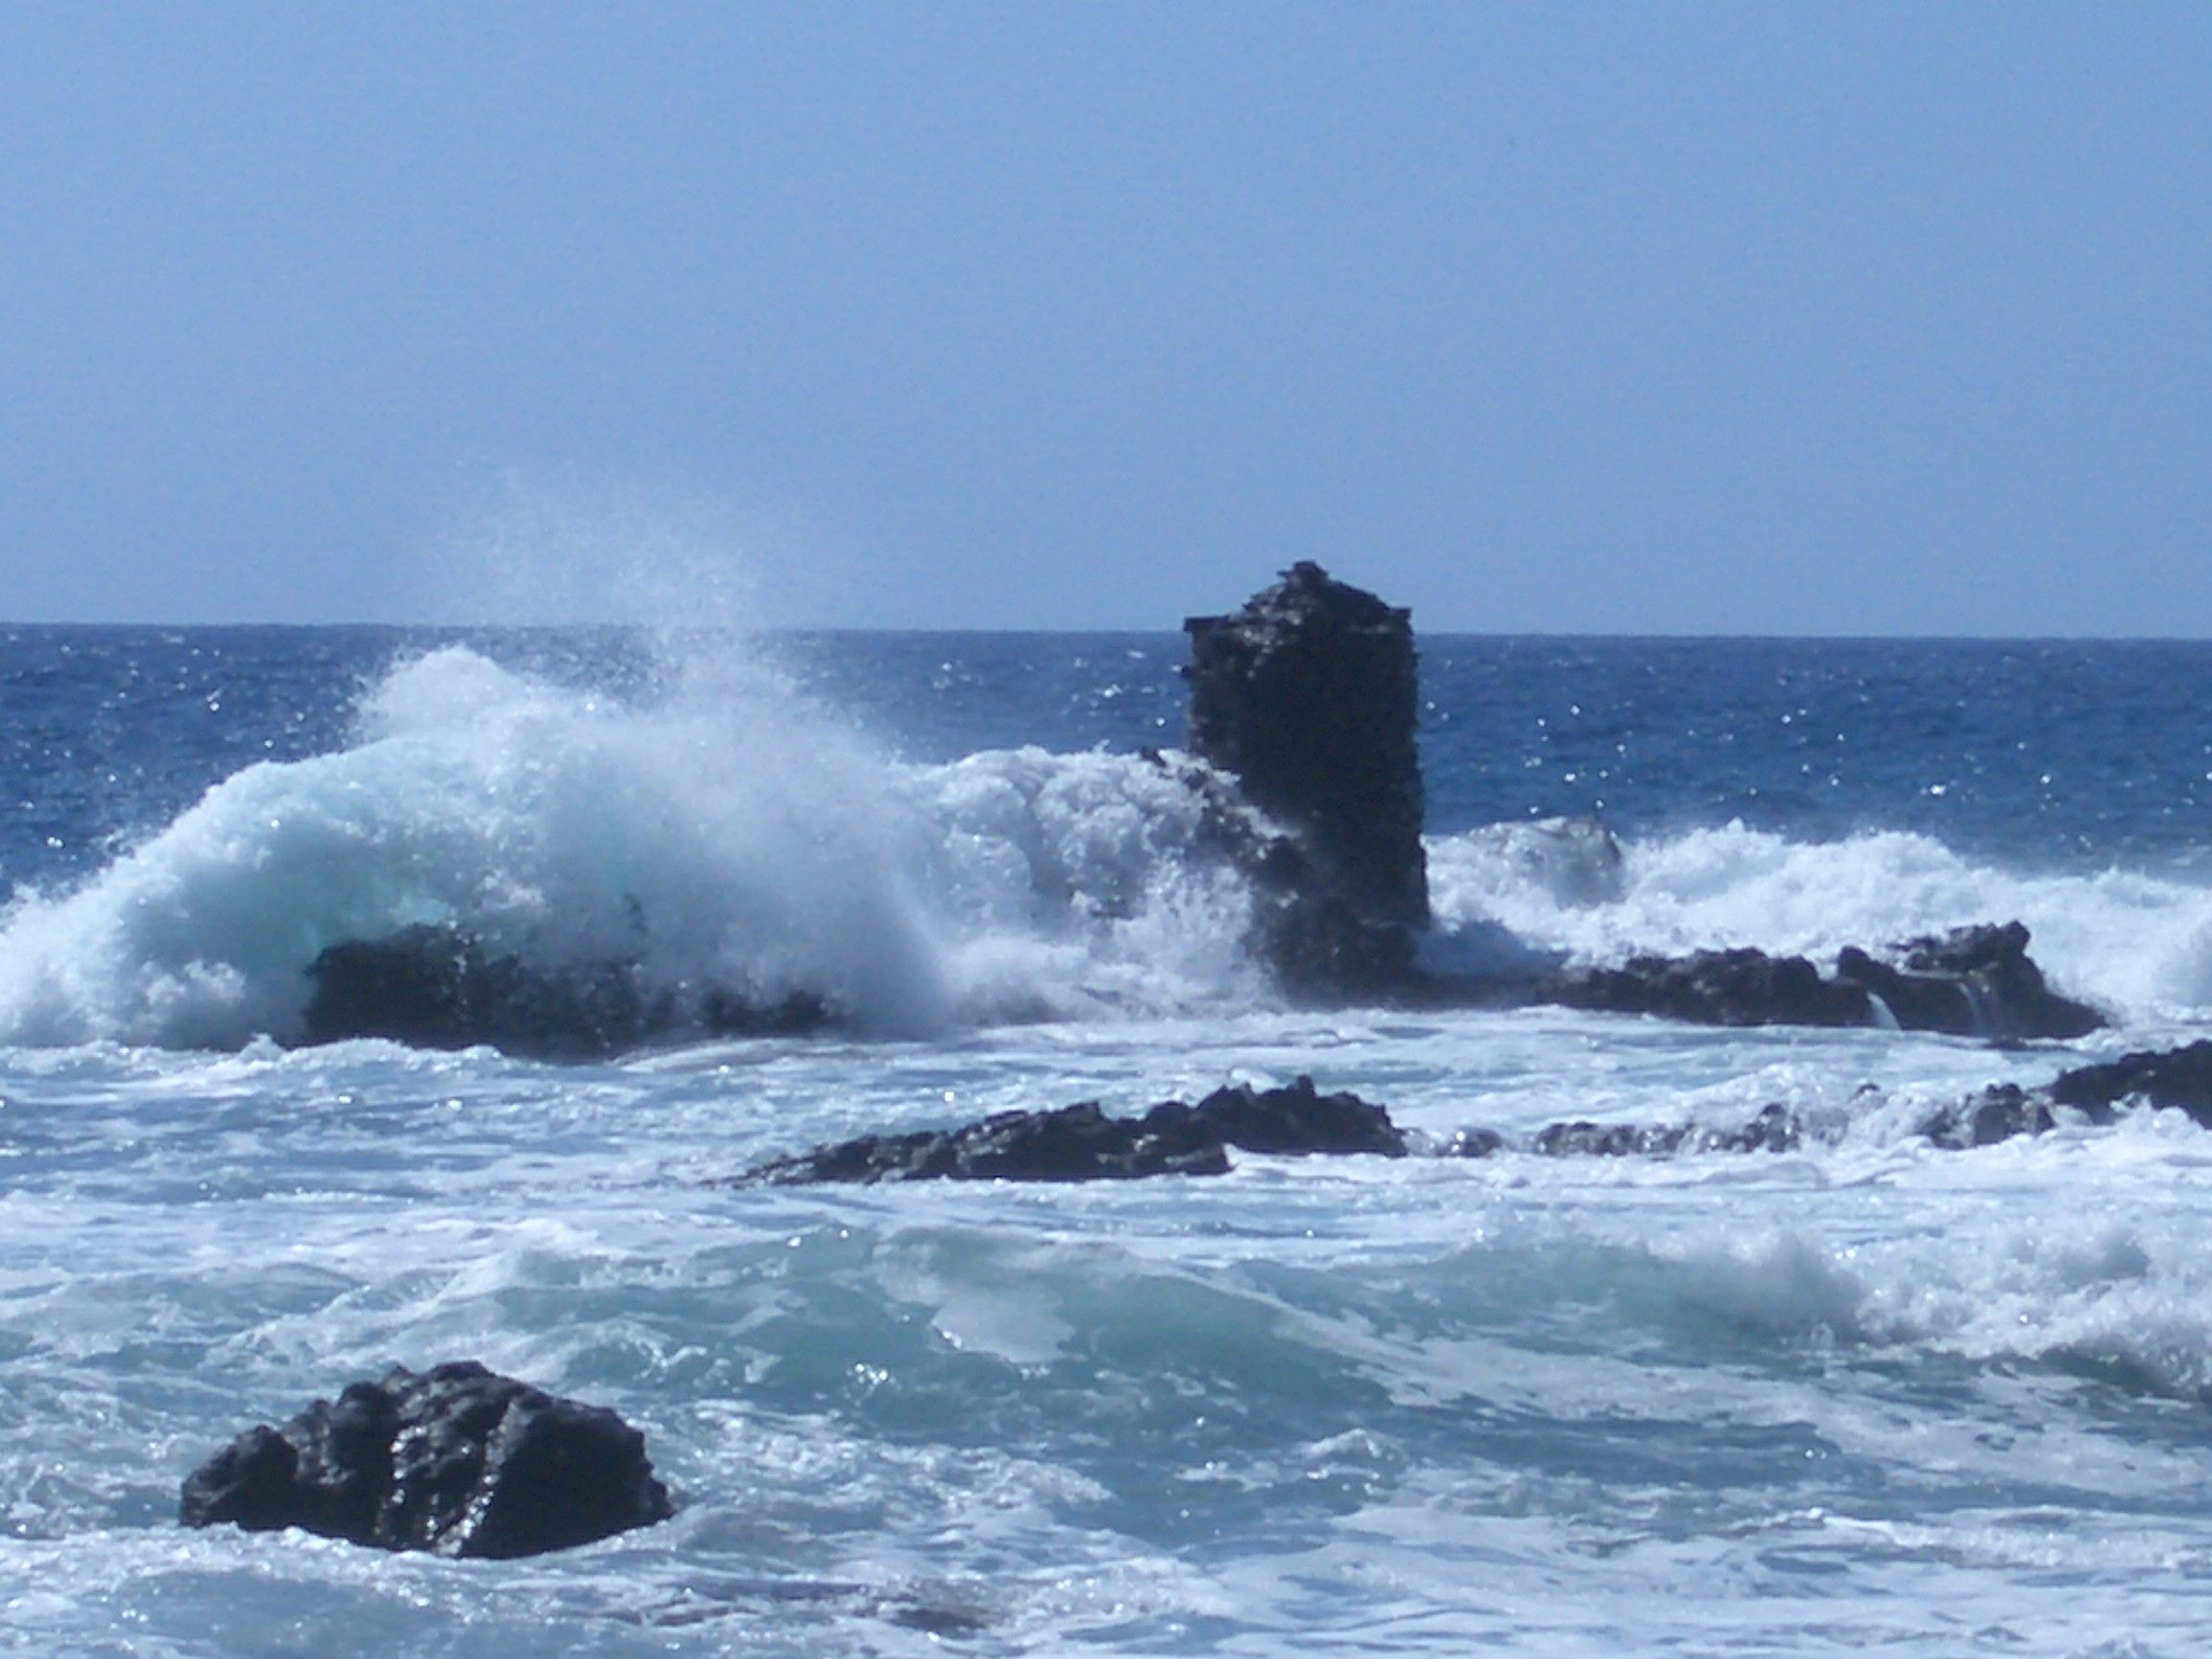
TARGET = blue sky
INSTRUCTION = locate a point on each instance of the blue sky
(1703, 318)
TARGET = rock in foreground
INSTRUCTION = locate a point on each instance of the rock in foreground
(1081, 1143)
(456, 1460)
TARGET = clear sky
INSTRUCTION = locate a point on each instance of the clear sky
(1787, 318)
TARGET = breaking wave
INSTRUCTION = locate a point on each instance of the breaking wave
(2137, 944)
(734, 834)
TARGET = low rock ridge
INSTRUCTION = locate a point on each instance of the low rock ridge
(438, 987)
(2173, 1079)
(456, 1460)
(1976, 981)
(1083, 1142)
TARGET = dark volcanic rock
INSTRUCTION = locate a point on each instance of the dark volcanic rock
(1309, 695)
(1081, 1143)
(1076, 1142)
(2178, 1078)
(1776, 1129)
(1742, 987)
(1997, 1114)
(456, 1460)
(1972, 982)
(436, 987)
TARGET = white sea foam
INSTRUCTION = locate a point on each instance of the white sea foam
(732, 833)
(733, 836)
(2139, 944)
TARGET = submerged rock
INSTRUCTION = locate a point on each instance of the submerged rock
(437, 987)
(1309, 696)
(456, 1460)
(1999, 1113)
(1081, 1143)
(1775, 1128)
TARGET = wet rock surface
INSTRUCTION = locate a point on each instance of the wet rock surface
(456, 1460)
(1081, 1143)
(1741, 987)
(1309, 696)
(1996, 1114)
(2174, 1080)
(436, 987)
(1974, 981)
(2179, 1079)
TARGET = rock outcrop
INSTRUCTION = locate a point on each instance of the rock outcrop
(1741, 987)
(1974, 981)
(437, 987)
(1971, 982)
(1309, 696)
(456, 1460)
(1081, 1143)
(2174, 1080)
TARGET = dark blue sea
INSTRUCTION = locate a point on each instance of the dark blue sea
(1866, 1395)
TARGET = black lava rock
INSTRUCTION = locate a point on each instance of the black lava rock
(1309, 695)
(1971, 982)
(1741, 987)
(456, 1460)
(437, 987)
(2177, 1078)
(1081, 1143)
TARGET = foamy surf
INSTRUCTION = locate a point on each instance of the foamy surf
(732, 836)
(2136, 944)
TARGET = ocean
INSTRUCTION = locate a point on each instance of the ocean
(1865, 1396)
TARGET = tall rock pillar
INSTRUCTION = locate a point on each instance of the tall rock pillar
(1308, 694)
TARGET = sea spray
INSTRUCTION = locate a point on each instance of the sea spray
(729, 835)
(2136, 943)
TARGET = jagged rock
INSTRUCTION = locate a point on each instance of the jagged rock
(456, 1460)
(2176, 1078)
(1974, 981)
(1309, 695)
(1081, 1143)
(1774, 1129)
(1997, 1114)
(1971, 982)
(1741, 987)
(436, 987)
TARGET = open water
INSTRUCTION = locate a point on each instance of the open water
(1868, 1397)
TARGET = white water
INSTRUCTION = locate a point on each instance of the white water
(732, 836)
(735, 834)
(1868, 1396)
(2136, 945)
